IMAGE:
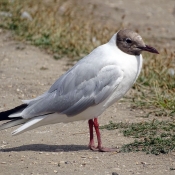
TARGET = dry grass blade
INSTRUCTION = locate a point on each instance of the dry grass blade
(64, 27)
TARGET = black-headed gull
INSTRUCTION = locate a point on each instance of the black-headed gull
(84, 92)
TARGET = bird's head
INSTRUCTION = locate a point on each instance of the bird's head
(131, 43)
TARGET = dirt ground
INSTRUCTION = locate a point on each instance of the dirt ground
(26, 72)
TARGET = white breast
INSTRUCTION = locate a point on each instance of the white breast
(131, 66)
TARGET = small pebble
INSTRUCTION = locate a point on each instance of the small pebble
(3, 162)
(26, 15)
(144, 163)
(67, 162)
(114, 173)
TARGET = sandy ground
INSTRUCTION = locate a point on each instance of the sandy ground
(26, 72)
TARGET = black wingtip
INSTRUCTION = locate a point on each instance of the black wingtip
(4, 115)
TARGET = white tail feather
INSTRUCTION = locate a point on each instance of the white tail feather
(31, 124)
(17, 114)
(12, 123)
(45, 120)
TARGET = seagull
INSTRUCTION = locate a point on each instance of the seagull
(86, 90)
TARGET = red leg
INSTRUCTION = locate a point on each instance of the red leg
(91, 143)
(100, 148)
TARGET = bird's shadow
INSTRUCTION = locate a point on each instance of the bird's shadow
(46, 148)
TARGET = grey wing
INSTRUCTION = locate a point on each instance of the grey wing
(94, 91)
(77, 90)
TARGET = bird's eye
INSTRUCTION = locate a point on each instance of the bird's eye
(128, 40)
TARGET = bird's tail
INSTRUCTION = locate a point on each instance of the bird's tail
(8, 115)
(5, 114)
(15, 115)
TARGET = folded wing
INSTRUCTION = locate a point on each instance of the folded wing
(76, 91)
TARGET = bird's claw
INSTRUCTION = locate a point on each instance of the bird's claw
(102, 149)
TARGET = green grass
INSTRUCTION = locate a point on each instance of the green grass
(155, 87)
(153, 137)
